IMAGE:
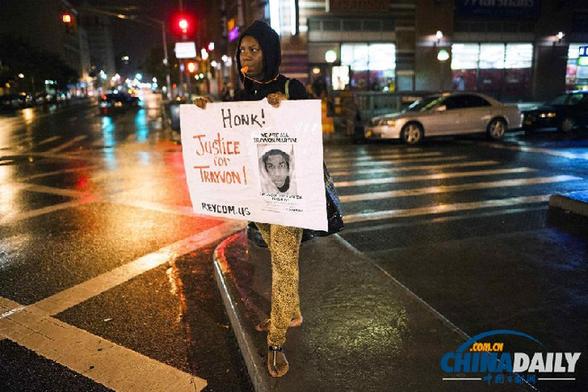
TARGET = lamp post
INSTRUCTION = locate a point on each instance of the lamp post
(442, 57)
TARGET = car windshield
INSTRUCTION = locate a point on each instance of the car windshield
(567, 99)
(425, 104)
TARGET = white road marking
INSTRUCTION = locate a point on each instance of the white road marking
(444, 208)
(382, 157)
(412, 168)
(395, 161)
(153, 206)
(52, 190)
(56, 172)
(14, 217)
(105, 362)
(48, 140)
(547, 151)
(437, 176)
(388, 226)
(456, 188)
(335, 154)
(67, 144)
(70, 297)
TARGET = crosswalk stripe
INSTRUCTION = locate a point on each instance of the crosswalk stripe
(413, 168)
(547, 151)
(333, 154)
(48, 140)
(95, 357)
(456, 188)
(444, 208)
(444, 219)
(383, 156)
(436, 176)
(395, 161)
(16, 216)
(67, 144)
(53, 173)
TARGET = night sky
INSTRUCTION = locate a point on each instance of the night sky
(134, 39)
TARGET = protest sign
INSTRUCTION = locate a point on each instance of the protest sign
(252, 161)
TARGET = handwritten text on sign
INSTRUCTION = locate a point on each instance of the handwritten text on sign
(249, 160)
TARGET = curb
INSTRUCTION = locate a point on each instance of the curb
(574, 202)
(255, 366)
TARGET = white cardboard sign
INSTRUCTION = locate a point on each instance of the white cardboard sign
(251, 161)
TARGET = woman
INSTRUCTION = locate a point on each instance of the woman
(258, 58)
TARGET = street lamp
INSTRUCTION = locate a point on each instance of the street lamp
(438, 37)
(442, 56)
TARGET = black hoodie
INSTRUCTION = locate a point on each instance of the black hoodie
(274, 82)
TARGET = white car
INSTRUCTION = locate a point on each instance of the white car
(446, 114)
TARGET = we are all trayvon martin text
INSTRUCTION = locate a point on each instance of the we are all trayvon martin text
(221, 149)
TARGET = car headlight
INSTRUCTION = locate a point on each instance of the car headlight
(387, 121)
(547, 115)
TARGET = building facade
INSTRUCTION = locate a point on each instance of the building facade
(99, 32)
(41, 24)
(516, 50)
(511, 50)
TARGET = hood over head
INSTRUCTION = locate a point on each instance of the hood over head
(269, 41)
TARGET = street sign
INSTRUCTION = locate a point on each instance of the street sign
(185, 50)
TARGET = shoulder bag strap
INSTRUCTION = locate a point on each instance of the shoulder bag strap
(287, 88)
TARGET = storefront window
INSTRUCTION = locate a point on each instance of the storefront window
(577, 68)
(498, 69)
(372, 66)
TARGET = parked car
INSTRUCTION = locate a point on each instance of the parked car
(446, 114)
(566, 113)
(117, 102)
(16, 101)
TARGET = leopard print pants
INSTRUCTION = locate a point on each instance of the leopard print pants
(284, 245)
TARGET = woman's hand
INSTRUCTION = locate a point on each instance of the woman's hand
(275, 98)
(201, 102)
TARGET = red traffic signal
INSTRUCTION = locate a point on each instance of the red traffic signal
(183, 24)
(66, 18)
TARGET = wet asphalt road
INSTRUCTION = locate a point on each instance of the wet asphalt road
(85, 202)
(463, 223)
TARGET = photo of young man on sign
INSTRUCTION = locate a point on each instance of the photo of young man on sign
(276, 168)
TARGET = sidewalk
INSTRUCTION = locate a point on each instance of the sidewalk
(362, 331)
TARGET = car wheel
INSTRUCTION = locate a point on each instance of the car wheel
(496, 129)
(412, 133)
(567, 125)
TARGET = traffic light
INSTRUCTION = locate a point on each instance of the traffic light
(183, 24)
(68, 21)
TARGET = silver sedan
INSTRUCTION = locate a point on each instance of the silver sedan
(446, 114)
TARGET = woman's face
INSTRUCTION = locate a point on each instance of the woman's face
(250, 55)
(277, 168)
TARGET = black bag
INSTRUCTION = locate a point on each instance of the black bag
(334, 216)
(334, 210)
